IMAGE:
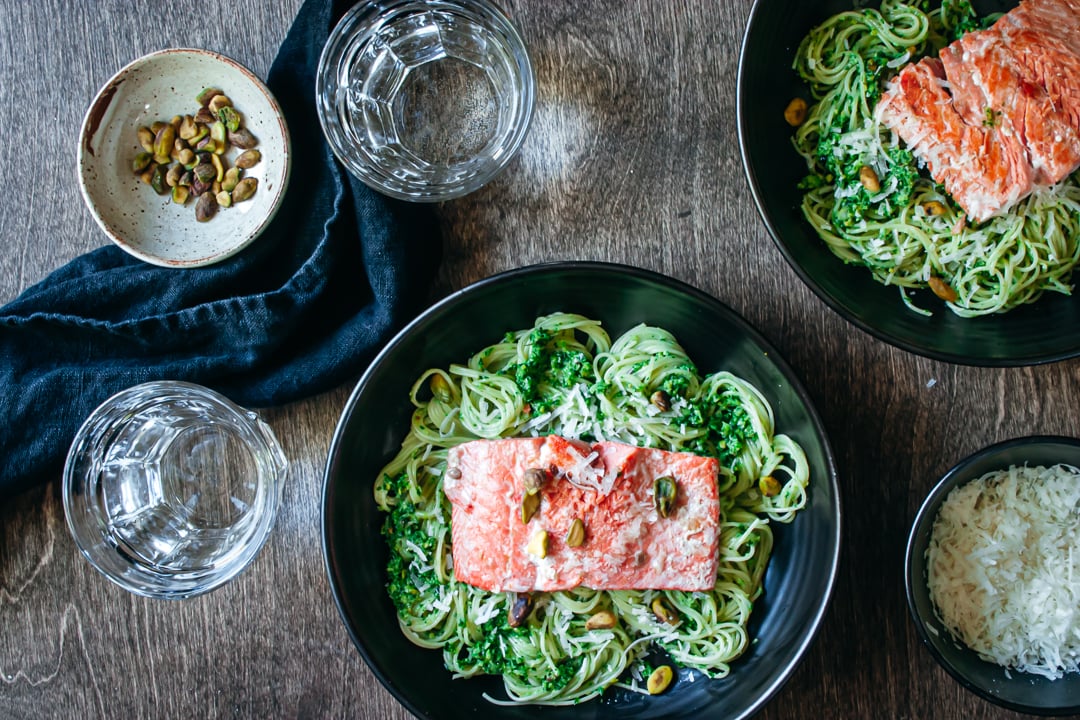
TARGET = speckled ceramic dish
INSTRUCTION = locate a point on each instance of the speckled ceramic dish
(151, 227)
(802, 567)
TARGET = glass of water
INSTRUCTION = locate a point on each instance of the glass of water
(170, 489)
(425, 100)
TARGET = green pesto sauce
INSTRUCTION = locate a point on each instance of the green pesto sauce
(490, 655)
(548, 365)
(842, 168)
(728, 428)
(959, 17)
(677, 385)
(401, 528)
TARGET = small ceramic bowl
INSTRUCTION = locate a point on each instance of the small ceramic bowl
(151, 227)
(1023, 692)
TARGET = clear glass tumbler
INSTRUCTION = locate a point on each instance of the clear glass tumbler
(425, 100)
(170, 489)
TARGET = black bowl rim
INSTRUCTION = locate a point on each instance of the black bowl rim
(592, 266)
(941, 488)
(757, 191)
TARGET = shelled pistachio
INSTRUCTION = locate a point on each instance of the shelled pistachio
(248, 159)
(205, 207)
(244, 189)
(659, 680)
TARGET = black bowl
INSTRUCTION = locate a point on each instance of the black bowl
(801, 573)
(1045, 331)
(1023, 692)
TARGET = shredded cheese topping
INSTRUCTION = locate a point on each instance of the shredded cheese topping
(1002, 571)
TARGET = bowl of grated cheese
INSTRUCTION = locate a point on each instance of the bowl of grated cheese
(992, 579)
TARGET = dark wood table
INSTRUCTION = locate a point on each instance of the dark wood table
(632, 158)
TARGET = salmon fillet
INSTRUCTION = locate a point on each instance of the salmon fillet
(627, 544)
(1023, 113)
(998, 114)
(981, 169)
(1045, 37)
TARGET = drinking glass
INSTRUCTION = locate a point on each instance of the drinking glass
(425, 100)
(170, 489)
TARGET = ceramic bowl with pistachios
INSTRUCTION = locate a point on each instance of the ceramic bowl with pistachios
(183, 157)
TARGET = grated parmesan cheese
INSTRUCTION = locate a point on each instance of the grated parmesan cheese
(487, 610)
(1001, 570)
(585, 474)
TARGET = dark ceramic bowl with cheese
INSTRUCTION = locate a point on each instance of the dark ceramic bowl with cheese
(802, 569)
(1020, 691)
(1044, 331)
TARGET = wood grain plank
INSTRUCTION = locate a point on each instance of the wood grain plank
(632, 158)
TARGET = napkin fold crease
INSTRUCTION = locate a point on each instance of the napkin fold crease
(298, 312)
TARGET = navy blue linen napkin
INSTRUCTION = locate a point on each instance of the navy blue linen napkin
(298, 312)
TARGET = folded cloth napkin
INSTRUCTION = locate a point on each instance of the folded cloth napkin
(301, 310)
